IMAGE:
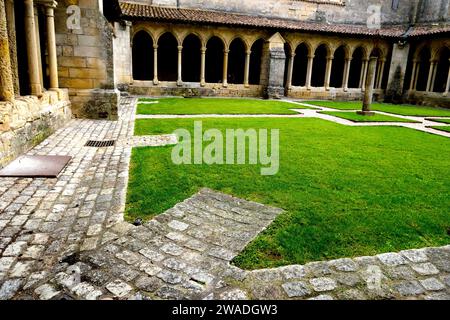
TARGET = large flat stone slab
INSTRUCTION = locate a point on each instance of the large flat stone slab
(35, 167)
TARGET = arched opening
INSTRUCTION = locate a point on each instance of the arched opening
(21, 43)
(443, 65)
(356, 68)
(255, 62)
(142, 56)
(300, 65)
(319, 66)
(191, 58)
(167, 57)
(424, 69)
(337, 71)
(214, 60)
(236, 62)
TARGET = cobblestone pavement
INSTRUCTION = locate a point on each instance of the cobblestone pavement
(65, 238)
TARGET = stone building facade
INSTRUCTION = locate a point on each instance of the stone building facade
(307, 49)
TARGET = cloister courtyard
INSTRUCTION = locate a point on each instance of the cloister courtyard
(355, 199)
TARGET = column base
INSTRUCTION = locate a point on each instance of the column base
(274, 92)
(179, 83)
(155, 82)
(202, 84)
(225, 85)
(365, 113)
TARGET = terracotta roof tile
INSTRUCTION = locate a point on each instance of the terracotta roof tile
(147, 12)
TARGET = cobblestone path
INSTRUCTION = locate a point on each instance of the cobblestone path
(65, 238)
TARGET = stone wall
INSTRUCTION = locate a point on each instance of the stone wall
(338, 11)
(122, 55)
(85, 59)
(28, 120)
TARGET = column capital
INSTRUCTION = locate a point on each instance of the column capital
(330, 57)
(180, 48)
(226, 51)
(203, 49)
(47, 3)
(311, 56)
(248, 52)
(155, 46)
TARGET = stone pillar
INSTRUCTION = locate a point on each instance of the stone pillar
(348, 63)
(413, 75)
(368, 94)
(416, 77)
(447, 87)
(309, 71)
(366, 68)
(433, 81)
(38, 43)
(202, 66)
(276, 66)
(180, 58)
(32, 54)
(11, 21)
(155, 65)
(328, 72)
(247, 68)
(362, 72)
(396, 72)
(6, 81)
(225, 68)
(430, 75)
(290, 71)
(51, 47)
(381, 73)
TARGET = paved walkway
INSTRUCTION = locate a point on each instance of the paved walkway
(65, 238)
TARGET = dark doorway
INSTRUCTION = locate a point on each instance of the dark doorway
(440, 82)
(255, 62)
(22, 60)
(356, 68)
(214, 60)
(424, 69)
(319, 66)
(337, 71)
(142, 56)
(236, 62)
(191, 59)
(300, 66)
(167, 57)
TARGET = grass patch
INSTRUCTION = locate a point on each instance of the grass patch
(403, 110)
(347, 191)
(446, 121)
(446, 129)
(180, 106)
(353, 116)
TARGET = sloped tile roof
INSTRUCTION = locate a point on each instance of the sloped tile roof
(134, 11)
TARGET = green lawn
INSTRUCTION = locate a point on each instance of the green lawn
(180, 106)
(347, 191)
(446, 129)
(446, 121)
(353, 116)
(404, 110)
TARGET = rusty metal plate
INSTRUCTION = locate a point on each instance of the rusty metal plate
(35, 167)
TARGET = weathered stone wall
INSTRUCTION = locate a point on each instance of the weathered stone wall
(122, 55)
(338, 11)
(85, 58)
(28, 120)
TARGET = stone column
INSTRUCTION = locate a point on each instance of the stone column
(247, 68)
(362, 73)
(38, 43)
(11, 21)
(202, 66)
(430, 76)
(366, 69)
(51, 47)
(290, 71)
(276, 67)
(368, 94)
(381, 73)
(413, 75)
(32, 49)
(328, 72)
(225, 68)
(447, 87)
(6, 81)
(348, 63)
(155, 65)
(309, 71)
(416, 77)
(180, 58)
(433, 81)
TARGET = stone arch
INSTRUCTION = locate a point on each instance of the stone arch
(321, 53)
(440, 79)
(191, 58)
(338, 68)
(167, 57)
(356, 67)
(256, 61)
(300, 65)
(142, 56)
(214, 59)
(424, 58)
(236, 61)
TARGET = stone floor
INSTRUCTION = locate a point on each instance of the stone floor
(65, 238)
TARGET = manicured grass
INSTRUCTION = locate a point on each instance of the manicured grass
(446, 129)
(347, 191)
(180, 106)
(404, 109)
(447, 121)
(353, 116)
